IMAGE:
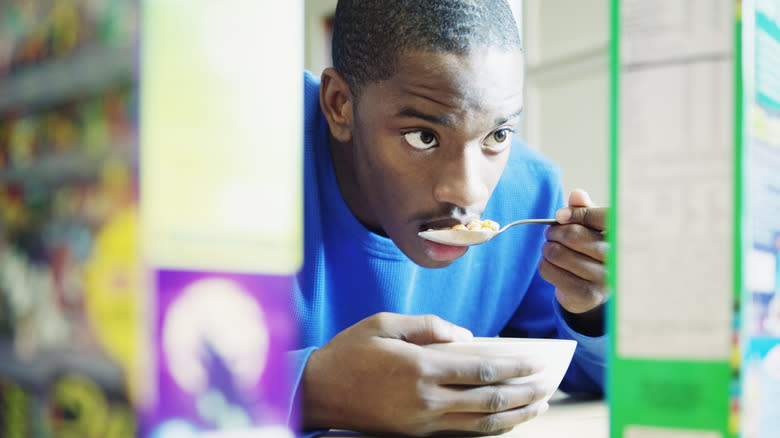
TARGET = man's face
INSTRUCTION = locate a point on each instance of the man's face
(429, 145)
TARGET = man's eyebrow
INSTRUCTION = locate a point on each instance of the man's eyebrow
(512, 116)
(411, 112)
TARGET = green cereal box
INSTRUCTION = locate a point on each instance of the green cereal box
(695, 316)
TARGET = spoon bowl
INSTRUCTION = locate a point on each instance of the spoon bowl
(474, 237)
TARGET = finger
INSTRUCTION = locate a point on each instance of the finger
(575, 262)
(579, 238)
(591, 217)
(419, 329)
(496, 398)
(573, 293)
(580, 198)
(491, 424)
(462, 369)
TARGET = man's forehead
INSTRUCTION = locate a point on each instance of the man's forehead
(490, 82)
(493, 71)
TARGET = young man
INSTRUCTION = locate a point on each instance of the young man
(412, 129)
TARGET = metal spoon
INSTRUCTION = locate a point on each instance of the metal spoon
(474, 237)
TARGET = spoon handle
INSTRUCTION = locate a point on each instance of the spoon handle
(529, 221)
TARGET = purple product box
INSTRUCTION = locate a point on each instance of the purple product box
(219, 344)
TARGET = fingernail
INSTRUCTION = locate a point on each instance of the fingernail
(543, 408)
(563, 215)
(588, 200)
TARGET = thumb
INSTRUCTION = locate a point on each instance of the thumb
(580, 198)
(429, 329)
(582, 210)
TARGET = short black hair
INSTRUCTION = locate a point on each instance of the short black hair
(369, 35)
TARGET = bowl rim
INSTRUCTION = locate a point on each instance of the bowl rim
(508, 340)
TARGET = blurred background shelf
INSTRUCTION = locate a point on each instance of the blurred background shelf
(88, 71)
(66, 167)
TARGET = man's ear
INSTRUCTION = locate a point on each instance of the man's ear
(336, 102)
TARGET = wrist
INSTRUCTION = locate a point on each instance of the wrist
(314, 404)
(590, 323)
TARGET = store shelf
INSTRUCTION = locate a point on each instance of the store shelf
(91, 69)
(47, 364)
(66, 167)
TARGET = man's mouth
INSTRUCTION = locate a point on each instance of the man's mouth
(442, 223)
(438, 251)
(438, 224)
(443, 253)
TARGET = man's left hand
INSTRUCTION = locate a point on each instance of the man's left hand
(574, 255)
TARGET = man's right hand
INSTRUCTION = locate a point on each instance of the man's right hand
(375, 377)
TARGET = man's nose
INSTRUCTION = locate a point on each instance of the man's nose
(460, 179)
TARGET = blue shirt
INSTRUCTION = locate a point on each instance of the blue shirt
(350, 273)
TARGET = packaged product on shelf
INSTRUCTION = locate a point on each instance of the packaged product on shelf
(222, 265)
(696, 184)
(23, 141)
(63, 395)
(70, 276)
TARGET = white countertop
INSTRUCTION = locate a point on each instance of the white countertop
(567, 418)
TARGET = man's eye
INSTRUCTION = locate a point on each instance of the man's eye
(498, 137)
(421, 139)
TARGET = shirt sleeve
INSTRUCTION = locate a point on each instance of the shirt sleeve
(296, 362)
(587, 371)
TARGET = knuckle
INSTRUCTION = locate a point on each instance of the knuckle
(435, 326)
(552, 250)
(430, 319)
(544, 270)
(418, 369)
(381, 316)
(427, 374)
(600, 281)
(496, 400)
(592, 293)
(489, 424)
(602, 249)
(586, 297)
(533, 392)
(537, 391)
(380, 320)
(486, 372)
(528, 413)
(431, 322)
(525, 369)
(570, 232)
(584, 291)
(569, 301)
(585, 215)
(428, 402)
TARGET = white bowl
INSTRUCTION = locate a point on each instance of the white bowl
(556, 354)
